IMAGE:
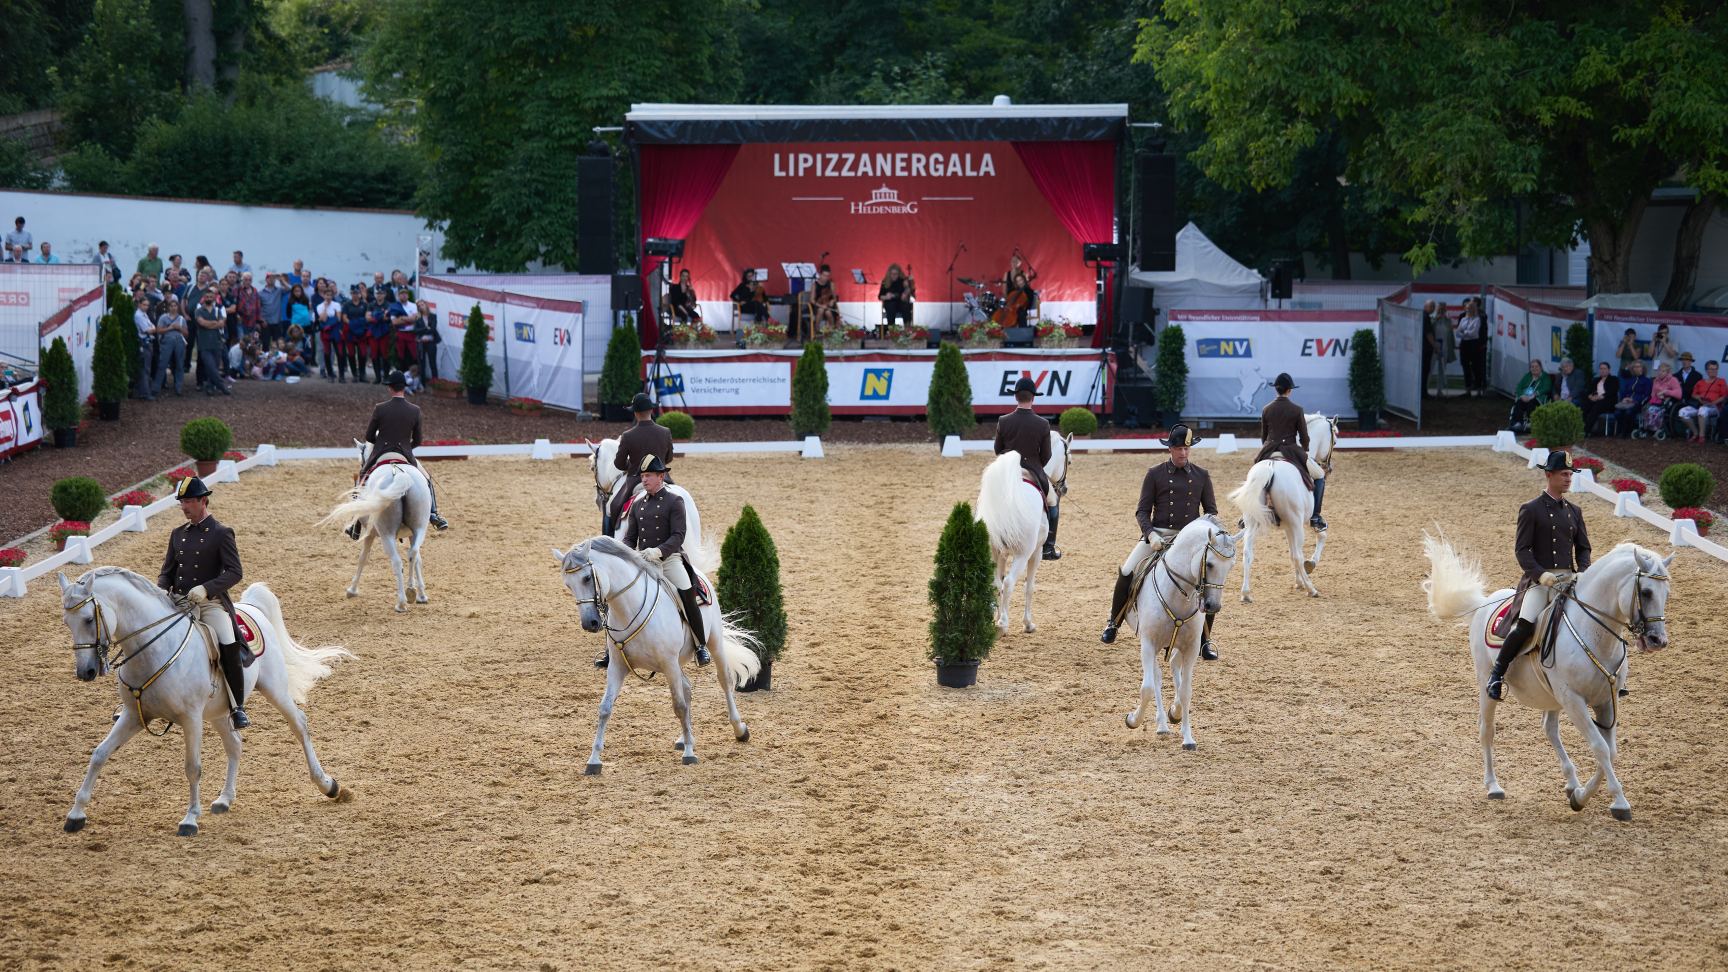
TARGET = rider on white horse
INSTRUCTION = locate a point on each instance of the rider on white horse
(202, 563)
(1284, 431)
(654, 527)
(1172, 496)
(1552, 544)
(645, 438)
(1028, 433)
(395, 428)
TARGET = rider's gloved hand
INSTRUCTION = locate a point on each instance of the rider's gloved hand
(197, 595)
(652, 555)
(1551, 577)
(1156, 540)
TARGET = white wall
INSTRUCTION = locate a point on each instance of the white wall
(343, 244)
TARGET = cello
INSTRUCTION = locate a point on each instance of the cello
(1018, 299)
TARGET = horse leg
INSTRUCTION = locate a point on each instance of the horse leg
(1182, 673)
(193, 729)
(1603, 748)
(231, 751)
(681, 699)
(417, 578)
(1032, 560)
(1008, 576)
(365, 549)
(1319, 546)
(396, 566)
(1298, 539)
(1485, 710)
(1247, 562)
(275, 691)
(740, 731)
(124, 729)
(1151, 689)
(1551, 727)
(614, 682)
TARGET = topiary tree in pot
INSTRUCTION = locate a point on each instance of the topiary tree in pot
(78, 498)
(949, 411)
(810, 414)
(123, 308)
(475, 371)
(963, 599)
(1557, 425)
(60, 411)
(680, 424)
(749, 584)
(1078, 421)
(1685, 484)
(621, 375)
(108, 365)
(205, 440)
(1367, 379)
(1170, 391)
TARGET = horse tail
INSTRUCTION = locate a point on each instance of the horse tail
(368, 499)
(1247, 497)
(304, 666)
(1009, 531)
(1454, 585)
(737, 651)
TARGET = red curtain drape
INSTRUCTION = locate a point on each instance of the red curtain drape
(1078, 180)
(676, 183)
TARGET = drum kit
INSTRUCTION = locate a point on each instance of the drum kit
(980, 305)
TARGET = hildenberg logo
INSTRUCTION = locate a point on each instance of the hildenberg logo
(877, 383)
(1225, 347)
(1325, 347)
(885, 202)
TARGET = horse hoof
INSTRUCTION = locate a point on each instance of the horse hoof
(218, 807)
(678, 745)
(1163, 730)
(1030, 627)
(1247, 600)
(1573, 801)
(1313, 593)
(352, 593)
(1621, 813)
(1190, 746)
(75, 824)
(691, 761)
(745, 735)
(401, 609)
(592, 769)
(1496, 794)
(187, 830)
(422, 599)
(1308, 565)
(1174, 717)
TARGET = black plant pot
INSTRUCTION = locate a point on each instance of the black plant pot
(959, 674)
(764, 680)
(108, 411)
(611, 412)
(65, 438)
(1368, 421)
(1167, 418)
(476, 396)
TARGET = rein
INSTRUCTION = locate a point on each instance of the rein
(601, 601)
(105, 643)
(1636, 627)
(1198, 592)
(1061, 485)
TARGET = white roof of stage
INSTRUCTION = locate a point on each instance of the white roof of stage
(656, 112)
(655, 124)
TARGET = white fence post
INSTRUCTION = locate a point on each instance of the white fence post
(1585, 479)
(134, 519)
(1538, 456)
(542, 449)
(812, 447)
(80, 548)
(1226, 443)
(266, 454)
(951, 447)
(1505, 441)
(1625, 503)
(11, 582)
(1683, 533)
(225, 473)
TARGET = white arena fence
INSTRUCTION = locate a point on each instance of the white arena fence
(14, 581)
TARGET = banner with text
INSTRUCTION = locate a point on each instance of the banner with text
(42, 301)
(20, 417)
(535, 343)
(877, 382)
(1705, 335)
(1233, 356)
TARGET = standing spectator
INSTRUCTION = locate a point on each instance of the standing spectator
(48, 253)
(351, 334)
(1472, 331)
(299, 315)
(211, 346)
(1628, 352)
(176, 282)
(206, 283)
(249, 305)
(1704, 404)
(1600, 396)
(105, 260)
(329, 313)
(174, 263)
(171, 334)
(380, 291)
(399, 282)
(402, 318)
(1571, 384)
(1634, 395)
(150, 265)
(200, 263)
(240, 267)
(297, 276)
(378, 333)
(1662, 350)
(273, 304)
(146, 328)
(426, 329)
(1534, 388)
(1431, 342)
(20, 238)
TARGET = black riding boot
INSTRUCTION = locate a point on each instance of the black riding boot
(354, 530)
(1118, 602)
(1515, 639)
(1319, 495)
(437, 521)
(693, 614)
(1208, 650)
(1054, 515)
(234, 670)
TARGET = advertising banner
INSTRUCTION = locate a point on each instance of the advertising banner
(20, 417)
(876, 382)
(1233, 356)
(1509, 346)
(1401, 343)
(535, 343)
(75, 323)
(42, 301)
(869, 204)
(1705, 335)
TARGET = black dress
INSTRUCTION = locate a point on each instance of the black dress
(744, 295)
(895, 305)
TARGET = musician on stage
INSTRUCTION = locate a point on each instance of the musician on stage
(896, 294)
(681, 300)
(1019, 285)
(1017, 265)
(824, 303)
(751, 298)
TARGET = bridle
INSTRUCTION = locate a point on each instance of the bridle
(105, 643)
(1636, 627)
(1061, 485)
(600, 601)
(1196, 588)
(1332, 426)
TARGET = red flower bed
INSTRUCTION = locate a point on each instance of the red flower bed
(1376, 434)
(177, 474)
(448, 442)
(1628, 486)
(234, 454)
(1698, 515)
(1585, 462)
(1531, 443)
(136, 497)
(524, 404)
(444, 442)
(67, 528)
(12, 557)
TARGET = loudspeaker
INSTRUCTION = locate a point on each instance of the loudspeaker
(1018, 337)
(1156, 225)
(1283, 279)
(594, 250)
(1138, 306)
(626, 291)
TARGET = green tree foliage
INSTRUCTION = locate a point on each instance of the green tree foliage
(128, 70)
(749, 582)
(1579, 350)
(108, 358)
(1556, 425)
(121, 305)
(1171, 379)
(621, 374)
(205, 439)
(810, 414)
(680, 424)
(1078, 421)
(1686, 484)
(475, 371)
(949, 410)
(316, 32)
(1367, 375)
(78, 498)
(1575, 115)
(18, 167)
(501, 99)
(60, 401)
(963, 591)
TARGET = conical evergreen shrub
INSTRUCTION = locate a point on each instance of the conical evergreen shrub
(60, 398)
(123, 308)
(621, 375)
(108, 358)
(810, 414)
(475, 371)
(949, 411)
(749, 583)
(963, 591)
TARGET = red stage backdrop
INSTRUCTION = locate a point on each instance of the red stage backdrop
(874, 203)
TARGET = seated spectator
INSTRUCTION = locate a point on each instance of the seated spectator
(1687, 374)
(237, 360)
(296, 363)
(48, 253)
(1703, 404)
(15, 254)
(1634, 395)
(415, 385)
(1570, 384)
(1535, 388)
(1664, 398)
(1600, 396)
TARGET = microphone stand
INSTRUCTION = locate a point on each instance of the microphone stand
(951, 264)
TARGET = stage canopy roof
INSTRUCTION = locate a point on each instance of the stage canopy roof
(740, 124)
(1205, 277)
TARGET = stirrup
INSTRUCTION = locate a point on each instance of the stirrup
(1317, 523)
(1109, 635)
(702, 656)
(1207, 650)
(241, 721)
(1496, 689)
(604, 660)
(1051, 553)
(438, 521)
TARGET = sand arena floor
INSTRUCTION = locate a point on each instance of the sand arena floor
(1333, 815)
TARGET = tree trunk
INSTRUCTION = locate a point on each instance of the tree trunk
(1611, 248)
(1688, 246)
(234, 46)
(200, 43)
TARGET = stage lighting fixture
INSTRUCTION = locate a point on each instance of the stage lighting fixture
(659, 246)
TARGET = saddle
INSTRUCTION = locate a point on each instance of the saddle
(1494, 636)
(252, 646)
(1135, 582)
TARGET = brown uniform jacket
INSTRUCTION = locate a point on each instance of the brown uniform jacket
(1171, 498)
(201, 553)
(1284, 431)
(1027, 433)
(395, 427)
(638, 442)
(656, 520)
(1551, 536)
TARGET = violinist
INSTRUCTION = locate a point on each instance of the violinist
(824, 303)
(751, 297)
(896, 294)
(681, 300)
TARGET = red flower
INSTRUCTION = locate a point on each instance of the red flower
(175, 475)
(136, 497)
(1585, 462)
(68, 528)
(234, 455)
(1628, 486)
(12, 557)
(1702, 517)
(449, 442)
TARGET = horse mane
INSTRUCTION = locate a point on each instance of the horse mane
(138, 582)
(616, 548)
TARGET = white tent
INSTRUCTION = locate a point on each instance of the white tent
(1205, 278)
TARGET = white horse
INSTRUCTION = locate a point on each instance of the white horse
(1013, 511)
(609, 480)
(164, 670)
(628, 597)
(1179, 590)
(1625, 591)
(395, 496)
(1292, 503)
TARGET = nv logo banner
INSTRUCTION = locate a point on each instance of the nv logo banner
(670, 384)
(524, 331)
(877, 383)
(1224, 348)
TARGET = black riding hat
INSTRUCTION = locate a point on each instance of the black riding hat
(1181, 435)
(191, 488)
(641, 403)
(1025, 386)
(1284, 382)
(653, 464)
(396, 380)
(1558, 461)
